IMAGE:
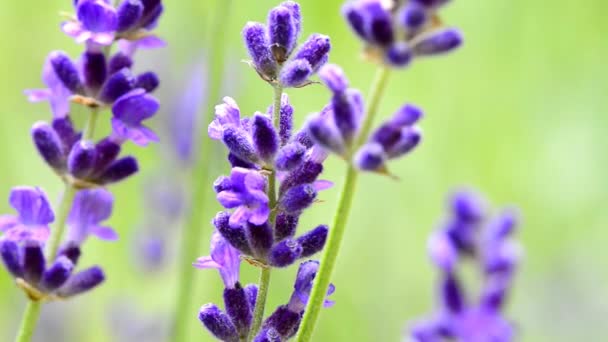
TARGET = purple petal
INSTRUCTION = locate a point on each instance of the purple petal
(90, 208)
(206, 262)
(239, 217)
(129, 47)
(26, 233)
(104, 233)
(229, 199)
(32, 205)
(260, 215)
(37, 95)
(227, 113)
(140, 135)
(322, 184)
(8, 221)
(134, 107)
(97, 16)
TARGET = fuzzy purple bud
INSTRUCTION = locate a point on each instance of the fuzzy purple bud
(106, 151)
(57, 274)
(380, 26)
(265, 137)
(11, 257)
(118, 62)
(323, 131)
(334, 78)
(298, 198)
(218, 323)
(66, 71)
(313, 241)
(290, 156)
(94, 69)
(33, 262)
(236, 236)
(315, 50)
(117, 85)
(467, 206)
(239, 144)
(129, 12)
(305, 173)
(370, 157)
(438, 42)
(82, 159)
(296, 73)
(260, 239)
(256, 41)
(410, 137)
(285, 253)
(49, 145)
(413, 16)
(285, 226)
(346, 115)
(119, 170)
(82, 281)
(238, 309)
(399, 55)
(355, 17)
(282, 33)
(252, 294)
(284, 321)
(148, 81)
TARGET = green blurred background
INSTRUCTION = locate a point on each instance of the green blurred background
(520, 113)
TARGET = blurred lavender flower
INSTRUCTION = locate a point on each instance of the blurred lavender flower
(336, 126)
(34, 215)
(90, 208)
(495, 254)
(225, 258)
(271, 46)
(396, 32)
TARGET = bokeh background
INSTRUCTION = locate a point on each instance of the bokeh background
(521, 113)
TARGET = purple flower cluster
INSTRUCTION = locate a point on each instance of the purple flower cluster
(25, 235)
(96, 81)
(271, 47)
(395, 32)
(460, 317)
(337, 125)
(257, 149)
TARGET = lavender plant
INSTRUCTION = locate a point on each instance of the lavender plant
(273, 180)
(462, 316)
(394, 33)
(99, 80)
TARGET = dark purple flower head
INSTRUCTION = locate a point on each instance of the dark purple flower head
(462, 315)
(34, 214)
(303, 286)
(225, 258)
(90, 209)
(218, 323)
(247, 195)
(394, 32)
(129, 112)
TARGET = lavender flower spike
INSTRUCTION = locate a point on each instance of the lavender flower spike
(247, 195)
(90, 208)
(225, 258)
(34, 215)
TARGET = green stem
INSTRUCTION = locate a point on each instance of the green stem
(89, 128)
(260, 303)
(337, 230)
(193, 232)
(62, 215)
(28, 323)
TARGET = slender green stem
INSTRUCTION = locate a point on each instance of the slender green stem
(192, 232)
(260, 304)
(89, 128)
(62, 213)
(28, 323)
(337, 230)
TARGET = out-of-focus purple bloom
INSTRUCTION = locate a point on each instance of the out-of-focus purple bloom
(225, 258)
(247, 194)
(56, 93)
(129, 112)
(227, 114)
(97, 22)
(464, 316)
(90, 209)
(34, 214)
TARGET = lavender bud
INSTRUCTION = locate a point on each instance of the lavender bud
(282, 33)
(467, 206)
(236, 236)
(413, 16)
(82, 159)
(370, 157)
(106, 152)
(345, 115)
(284, 321)
(71, 251)
(65, 130)
(257, 44)
(298, 198)
(503, 225)
(407, 115)
(295, 73)
(285, 226)
(285, 119)
(438, 42)
(66, 71)
(33, 262)
(238, 309)
(451, 294)
(315, 50)
(324, 132)
(296, 15)
(290, 156)
(239, 144)
(355, 17)
(117, 85)
(11, 257)
(268, 335)
(409, 139)
(57, 274)
(265, 137)
(399, 55)
(82, 281)
(334, 78)
(386, 135)
(218, 323)
(313, 241)
(306, 173)
(119, 61)
(94, 69)
(238, 162)
(129, 12)
(252, 294)
(379, 24)
(285, 253)
(119, 170)
(48, 145)
(260, 239)
(148, 81)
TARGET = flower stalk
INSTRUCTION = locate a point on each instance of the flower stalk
(332, 248)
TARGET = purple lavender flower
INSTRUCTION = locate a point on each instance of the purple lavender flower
(90, 208)
(227, 114)
(225, 258)
(246, 193)
(270, 47)
(378, 23)
(56, 93)
(34, 214)
(129, 112)
(464, 236)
